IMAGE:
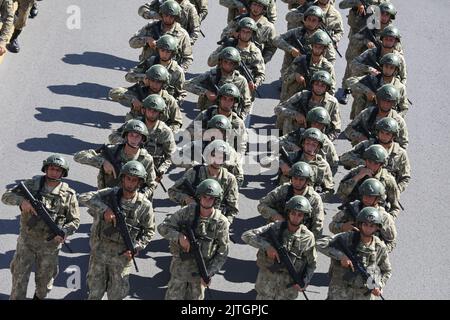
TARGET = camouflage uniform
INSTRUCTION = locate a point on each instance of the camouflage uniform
(171, 116)
(397, 162)
(108, 269)
(234, 6)
(238, 137)
(189, 18)
(96, 158)
(23, 11)
(202, 8)
(176, 81)
(368, 118)
(7, 20)
(32, 245)
(348, 186)
(204, 82)
(185, 282)
(361, 86)
(387, 233)
(229, 203)
(264, 37)
(275, 201)
(154, 29)
(304, 66)
(302, 102)
(274, 285)
(160, 145)
(291, 142)
(355, 21)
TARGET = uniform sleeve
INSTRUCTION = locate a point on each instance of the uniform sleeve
(393, 196)
(358, 65)
(175, 117)
(146, 11)
(89, 157)
(403, 138)
(232, 4)
(186, 52)
(93, 201)
(195, 85)
(404, 172)
(323, 246)
(12, 197)
(318, 216)
(350, 132)
(221, 254)
(193, 25)
(254, 237)
(337, 221)
(348, 183)
(259, 69)
(385, 267)
(213, 58)
(389, 232)
(353, 158)
(147, 224)
(177, 193)
(268, 203)
(139, 39)
(231, 196)
(281, 41)
(72, 221)
(169, 228)
(310, 256)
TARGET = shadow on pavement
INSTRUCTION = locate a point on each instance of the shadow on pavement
(238, 271)
(81, 262)
(6, 258)
(58, 143)
(269, 90)
(225, 295)
(84, 90)
(8, 226)
(320, 280)
(99, 60)
(239, 226)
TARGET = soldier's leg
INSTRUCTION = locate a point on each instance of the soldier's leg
(119, 284)
(97, 278)
(195, 291)
(23, 10)
(265, 285)
(46, 272)
(20, 267)
(176, 289)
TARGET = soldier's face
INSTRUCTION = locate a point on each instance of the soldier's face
(389, 42)
(373, 166)
(310, 146)
(385, 105)
(134, 139)
(323, 2)
(226, 103)
(298, 183)
(385, 17)
(54, 172)
(207, 202)
(256, 9)
(245, 34)
(296, 218)
(388, 70)
(154, 85)
(368, 229)
(385, 137)
(216, 161)
(151, 115)
(317, 125)
(319, 88)
(312, 22)
(130, 183)
(369, 201)
(164, 55)
(317, 49)
(228, 66)
(168, 20)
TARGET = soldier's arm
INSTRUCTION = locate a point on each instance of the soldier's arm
(389, 232)
(404, 173)
(350, 132)
(332, 157)
(177, 81)
(337, 27)
(272, 11)
(8, 23)
(147, 11)
(330, 69)
(335, 116)
(347, 184)
(221, 254)
(169, 228)
(89, 157)
(115, 137)
(288, 108)
(147, 225)
(202, 8)
(348, 4)
(359, 65)
(194, 25)
(288, 143)
(327, 183)
(195, 85)
(124, 96)
(177, 193)
(169, 148)
(269, 47)
(94, 201)
(175, 117)
(353, 158)
(357, 87)
(402, 133)
(246, 98)
(318, 216)
(254, 237)
(12, 197)
(232, 197)
(139, 39)
(385, 267)
(323, 246)
(229, 29)
(72, 219)
(268, 203)
(186, 52)
(213, 58)
(259, 69)
(403, 104)
(232, 4)
(281, 41)
(393, 196)
(337, 222)
(310, 256)
(402, 74)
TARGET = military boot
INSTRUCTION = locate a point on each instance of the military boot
(34, 11)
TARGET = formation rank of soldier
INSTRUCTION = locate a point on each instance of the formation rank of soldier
(139, 153)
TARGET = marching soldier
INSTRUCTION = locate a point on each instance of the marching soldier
(7, 18)
(239, 7)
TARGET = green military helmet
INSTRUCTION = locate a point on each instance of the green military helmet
(387, 124)
(58, 161)
(158, 72)
(248, 23)
(229, 90)
(313, 134)
(135, 125)
(133, 168)
(155, 102)
(167, 42)
(219, 122)
(314, 11)
(392, 59)
(388, 93)
(369, 215)
(218, 145)
(209, 187)
(320, 37)
(390, 31)
(322, 76)
(389, 8)
(319, 115)
(264, 3)
(372, 187)
(299, 203)
(376, 153)
(302, 170)
(170, 8)
(231, 54)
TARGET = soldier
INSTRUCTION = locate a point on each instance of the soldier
(34, 246)
(371, 193)
(293, 4)
(239, 7)
(375, 158)
(291, 114)
(265, 33)
(311, 143)
(294, 17)
(397, 162)
(167, 48)
(160, 143)
(362, 127)
(346, 282)
(274, 281)
(7, 18)
(365, 88)
(317, 118)
(251, 56)
(187, 17)
(23, 11)
(273, 206)
(146, 37)
(207, 84)
(368, 62)
(216, 154)
(211, 229)
(297, 76)
(202, 8)
(227, 98)
(156, 79)
(110, 158)
(110, 259)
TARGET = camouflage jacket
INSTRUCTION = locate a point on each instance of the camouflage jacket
(234, 6)
(202, 8)
(355, 21)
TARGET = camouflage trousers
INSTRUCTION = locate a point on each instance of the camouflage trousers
(23, 11)
(182, 285)
(108, 272)
(342, 291)
(353, 50)
(274, 286)
(358, 105)
(45, 259)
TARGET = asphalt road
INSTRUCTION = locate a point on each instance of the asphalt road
(53, 98)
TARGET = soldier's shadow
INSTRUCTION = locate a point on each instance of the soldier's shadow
(84, 90)
(238, 271)
(6, 258)
(99, 60)
(320, 280)
(266, 183)
(8, 226)
(269, 90)
(67, 265)
(190, 110)
(239, 226)
(81, 116)
(59, 143)
(4, 296)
